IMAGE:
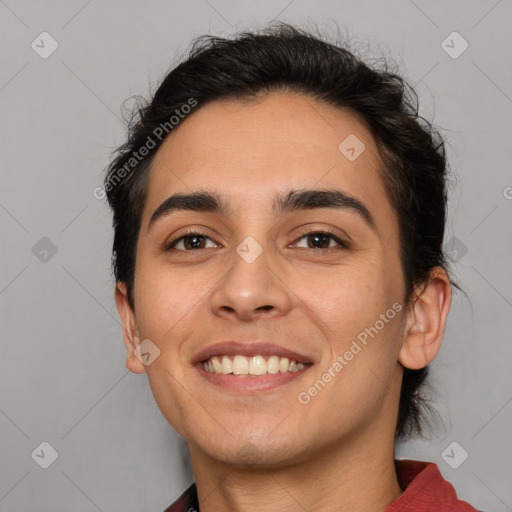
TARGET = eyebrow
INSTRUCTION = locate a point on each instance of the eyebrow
(211, 202)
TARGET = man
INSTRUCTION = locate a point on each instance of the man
(279, 212)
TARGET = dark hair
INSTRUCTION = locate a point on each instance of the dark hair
(288, 59)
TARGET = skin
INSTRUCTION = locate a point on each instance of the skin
(269, 451)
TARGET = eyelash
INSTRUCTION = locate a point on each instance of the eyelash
(194, 233)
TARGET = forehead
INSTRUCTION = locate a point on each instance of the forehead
(251, 150)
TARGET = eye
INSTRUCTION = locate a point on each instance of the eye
(189, 241)
(322, 240)
(314, 240)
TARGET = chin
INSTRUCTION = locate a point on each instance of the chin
(252, 450)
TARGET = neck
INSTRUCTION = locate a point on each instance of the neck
(358, 476)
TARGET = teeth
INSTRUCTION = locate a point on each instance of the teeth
(217, 365)
(256, 365)
(273, 364)
(240, 365)
(226, 365)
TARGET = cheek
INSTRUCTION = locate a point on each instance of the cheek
(346, 299)
(359, 314)
(163, 299)
(166, 305)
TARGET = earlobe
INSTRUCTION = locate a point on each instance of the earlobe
(130, 332)
(425, 321)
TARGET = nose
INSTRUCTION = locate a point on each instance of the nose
(251, 290)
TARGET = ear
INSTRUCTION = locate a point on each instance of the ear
(130, 333)
(426, 320)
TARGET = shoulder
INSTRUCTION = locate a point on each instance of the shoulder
(187, 502)
(425, 489)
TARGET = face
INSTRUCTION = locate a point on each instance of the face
(320, 281)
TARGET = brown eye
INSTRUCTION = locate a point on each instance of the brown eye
(322, 240)
(189, 242)
(194, 242)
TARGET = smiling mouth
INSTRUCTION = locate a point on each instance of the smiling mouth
(255, 366)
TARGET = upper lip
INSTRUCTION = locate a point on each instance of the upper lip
(248, 349)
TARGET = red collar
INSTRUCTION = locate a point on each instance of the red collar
(425, 491)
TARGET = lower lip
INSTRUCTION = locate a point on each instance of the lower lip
(250, 383)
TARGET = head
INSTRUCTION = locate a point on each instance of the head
(326, 165)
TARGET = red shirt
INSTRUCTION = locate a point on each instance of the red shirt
(425, 491)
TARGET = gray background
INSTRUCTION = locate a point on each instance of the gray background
(62, 374)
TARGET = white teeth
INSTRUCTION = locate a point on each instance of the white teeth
(217, 365)
(226, 365)
(273, 364)
(240, 365)
(256, 365)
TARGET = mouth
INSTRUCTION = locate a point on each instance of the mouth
(254, 366)
(250, 367)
